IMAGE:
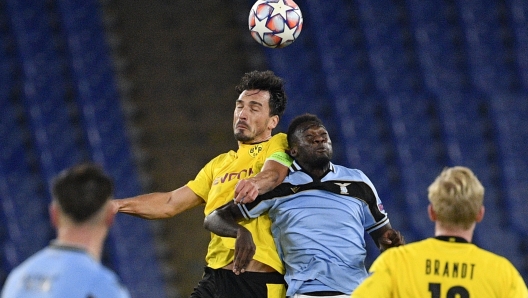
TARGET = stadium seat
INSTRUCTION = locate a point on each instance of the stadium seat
(486, 45)
(517, 14)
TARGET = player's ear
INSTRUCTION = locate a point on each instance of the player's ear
(53, 210)
(273, 122)
(109, 214)
(480, 215)
(293, 151)
(431, 212)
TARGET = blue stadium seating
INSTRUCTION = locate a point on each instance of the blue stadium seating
(517, 14)
(487, 50)
(509, 113)
(436, 36)
(405, 87)
(67, 128)
(98, 99)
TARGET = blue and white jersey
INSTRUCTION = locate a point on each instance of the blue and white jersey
(318, 227)
(61, 271)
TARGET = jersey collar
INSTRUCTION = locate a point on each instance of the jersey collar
(57, 245)
(452, 239)
(296, 167)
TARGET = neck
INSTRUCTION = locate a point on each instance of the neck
(315, 171)
(88, 238)
(442, 230)
(255, 141)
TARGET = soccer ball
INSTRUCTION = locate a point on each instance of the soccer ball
(275, 23)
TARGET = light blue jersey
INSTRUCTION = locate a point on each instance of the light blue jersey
(60, 271)
(318, 227)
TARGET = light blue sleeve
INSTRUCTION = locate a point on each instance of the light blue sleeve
(108, 285)
(255, 210)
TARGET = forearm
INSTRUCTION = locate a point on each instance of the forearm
(222, 225)
(159, 205)
(266, 181)
(147, 206)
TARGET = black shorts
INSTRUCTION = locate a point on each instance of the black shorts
(223, 283)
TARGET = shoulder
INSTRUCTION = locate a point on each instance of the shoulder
(104, 281)
(279, 139)
(279, 136)
(221, 159)
(350, 173)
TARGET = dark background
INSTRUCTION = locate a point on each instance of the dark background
(146, 88)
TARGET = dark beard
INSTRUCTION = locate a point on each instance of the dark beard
(242, 138)
(320, 162)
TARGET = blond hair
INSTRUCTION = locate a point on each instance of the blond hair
(456, 196)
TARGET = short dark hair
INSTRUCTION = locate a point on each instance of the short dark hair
(81, 191)
(267, 81)
(296, 122)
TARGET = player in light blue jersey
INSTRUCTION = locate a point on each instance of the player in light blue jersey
(70, 266)
(319, 215)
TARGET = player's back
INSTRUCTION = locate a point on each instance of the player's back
(59, 271)
(442, 267)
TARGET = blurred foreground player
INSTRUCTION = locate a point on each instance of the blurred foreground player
(448, 265)
(70, 266)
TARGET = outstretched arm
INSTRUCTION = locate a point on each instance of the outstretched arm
(386, 237)
(223, 222)
(158, 205)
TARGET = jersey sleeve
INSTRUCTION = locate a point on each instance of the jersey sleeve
(107, 284)
(378, 283)
(277, 150)
(517, 286)
(378, 216)
(255, 210)
(201, 185)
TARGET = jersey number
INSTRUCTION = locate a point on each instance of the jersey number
(451, 293)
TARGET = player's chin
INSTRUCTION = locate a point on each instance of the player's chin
(241, 136)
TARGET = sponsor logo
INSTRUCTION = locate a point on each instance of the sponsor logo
(295, 189)
(231, 176)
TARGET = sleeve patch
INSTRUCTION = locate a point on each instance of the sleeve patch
(281, 157)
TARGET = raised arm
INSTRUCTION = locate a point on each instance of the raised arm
(271, 175)
(386, 237)
(158, 205)
(223, 222)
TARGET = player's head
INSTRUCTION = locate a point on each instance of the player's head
(260, 105)
(309, 141)
(456, 196)
(81, 192)
(266, 81)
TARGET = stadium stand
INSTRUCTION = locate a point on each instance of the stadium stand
(70, 105)
(406, 88)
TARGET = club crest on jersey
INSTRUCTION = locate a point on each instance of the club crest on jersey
(342, 188)
(255, 150)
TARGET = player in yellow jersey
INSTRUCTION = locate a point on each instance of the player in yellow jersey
(448, 265)
(259, 164)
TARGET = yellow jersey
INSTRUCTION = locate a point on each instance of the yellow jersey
(441, 267)
(216, 182)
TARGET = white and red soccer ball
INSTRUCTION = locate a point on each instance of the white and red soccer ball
(275, 23)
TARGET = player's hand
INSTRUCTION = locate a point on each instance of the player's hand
(391, 238)
(244, 250)
(246, 191)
